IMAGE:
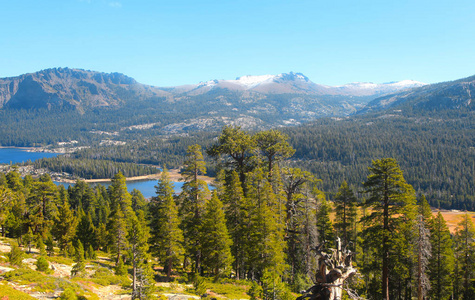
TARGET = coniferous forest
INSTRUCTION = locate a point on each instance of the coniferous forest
(257, 228)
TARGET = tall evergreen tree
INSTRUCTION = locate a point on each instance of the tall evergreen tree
(235, 205)
(121, 212)
(324, 224)
(85, 231)
(142, 274)
(6, 201)
(64, 228)
(441, 264)
(216, 242)
(388, 195)
(274, 146)
(424, 253)
(236, 148)
(80, 265)
(138, 201)
(166, 235)
(193, 201)
(266, 246)
(300, 196)
(42, 206)
(345, 213)
(465, 248)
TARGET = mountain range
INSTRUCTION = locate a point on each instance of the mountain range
(81, 89)
(113, 103)
(458, 94)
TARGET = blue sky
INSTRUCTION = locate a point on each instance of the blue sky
(167, 43)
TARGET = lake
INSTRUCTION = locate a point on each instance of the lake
(146, 187)
(19, 155)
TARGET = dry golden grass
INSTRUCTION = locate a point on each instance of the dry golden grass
(453, 217)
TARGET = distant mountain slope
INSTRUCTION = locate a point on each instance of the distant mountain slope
(81, 89)
(93, 102)
(294, 83)
(71, 88)
(458, 94)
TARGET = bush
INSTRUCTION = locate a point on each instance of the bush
(42, 265)
(68, 294)
(121, 268)
(39, 281)
(7, 292)
(199, 284)
(15, 256)
(105, 277)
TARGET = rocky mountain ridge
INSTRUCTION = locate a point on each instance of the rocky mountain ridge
(66, 88)
(295, 83)
(450, 95)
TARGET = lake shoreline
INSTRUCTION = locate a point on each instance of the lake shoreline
(174, 175)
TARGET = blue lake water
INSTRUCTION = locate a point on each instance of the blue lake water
(17, 155)
(146, 187)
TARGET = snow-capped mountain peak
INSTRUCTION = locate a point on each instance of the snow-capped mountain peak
(250, 81)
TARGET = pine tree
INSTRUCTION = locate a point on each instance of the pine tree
(117, 236)
(300, 196)
(441, 264)
(64, 228)
(233, 198)
(121, 212)
(142, 274)
(166, 235)
(345, 203)
(265, 246)
(6, 202)
(119, 196)
(29, 238)
(138, 201)
(274, 146)
(193, 201)
(424, 253)
(215, 242)
(388, 195)
(80, 265)
(236, 147)
(424, 208)
(465, 248)
(326, 233)
(41, 203)
(86, 231)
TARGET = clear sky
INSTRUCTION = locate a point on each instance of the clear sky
(175, 42)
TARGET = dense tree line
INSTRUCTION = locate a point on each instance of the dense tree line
(159, 150)
(436, 154)
(260, 223)
(93, 169)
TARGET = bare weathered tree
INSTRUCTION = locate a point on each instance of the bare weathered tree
(335, 267)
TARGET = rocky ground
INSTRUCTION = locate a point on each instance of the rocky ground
(61, 274)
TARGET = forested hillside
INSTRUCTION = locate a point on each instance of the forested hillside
(437, 154)
(255, 231)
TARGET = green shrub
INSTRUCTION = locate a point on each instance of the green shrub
(229, 290)
(42, 265)
(68, 294)
(15, 256)
(105, 277)
(255, 292)
(199, 284)
(121, 268)
(39, 281)
(10, 293)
